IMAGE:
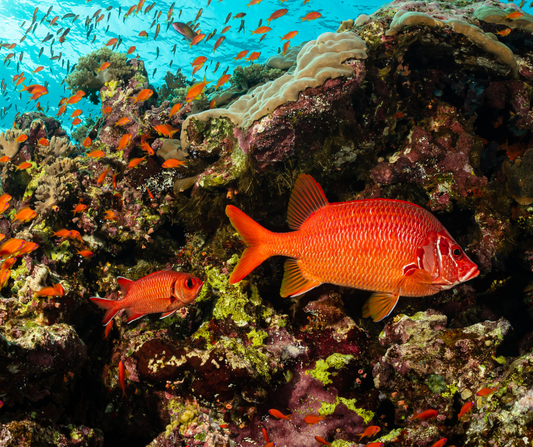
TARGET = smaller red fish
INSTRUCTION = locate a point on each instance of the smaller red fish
(108, 329)
(289, 35)
(5, 159)
(166, 130)
(465, 409)
(10, 247)
(27, 248)
(86, 253)
(486, 391)
(143, 95)
(311, 16)
(131, 50)
(104, 66)
(102, 177)
(265, 434)
(76, 122)
(62, 233)
(21, 138)
(504, 32)
(136, 161)
(369, 431)
(122, 121)
(173, 163)
(4, 198)
(279, 415)
(43, 142)
(175, 108)
(5, 274)
(322, 441)
(124, 141)
(122, 377)
(96, 154)
(428, 414)
(79, 208)
(55, 290)
(23, 166)
(110, 215)
(514, 15)
(106, 110)
(440, 443)
(160, 292)
(313, 419)
(87, 142)
(111, 42)
(25, 214)
(8, 263)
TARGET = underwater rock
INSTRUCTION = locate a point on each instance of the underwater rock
(519, 175)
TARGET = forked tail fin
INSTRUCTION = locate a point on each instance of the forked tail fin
(254, 236)
(111, 306)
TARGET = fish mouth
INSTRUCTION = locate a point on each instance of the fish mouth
(472, 273)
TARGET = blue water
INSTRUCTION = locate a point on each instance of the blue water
(14, 13)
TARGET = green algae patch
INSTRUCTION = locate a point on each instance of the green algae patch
(336, 361)
(232, 301)
(328, 408)
(257, 337)
(436, 383)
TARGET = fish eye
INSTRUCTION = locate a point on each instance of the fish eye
(456, 251)
(189, 283)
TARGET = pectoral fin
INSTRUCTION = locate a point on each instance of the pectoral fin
(380, 305)
(168, 314)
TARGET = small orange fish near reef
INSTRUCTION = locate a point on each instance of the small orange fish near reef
(428, 414)
(390, 247)
(313, 419)
(161, 292)
(279, 415)
(55, 290)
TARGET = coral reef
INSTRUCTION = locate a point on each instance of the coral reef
(424, 102)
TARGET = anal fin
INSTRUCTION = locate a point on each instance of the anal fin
(132, 315)
(167, 314)
(380, 305)
(294, 283)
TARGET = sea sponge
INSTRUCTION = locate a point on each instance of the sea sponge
(285, 61)
(486, 41)
(492, 14)
(247, 77)
(406, 18)
(8, 145)
(319, 60)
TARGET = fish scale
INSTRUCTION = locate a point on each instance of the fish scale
(387, 246)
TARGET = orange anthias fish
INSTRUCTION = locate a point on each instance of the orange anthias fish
(43, 142)
(143, 95)
(161, 292)
(279, 415)
(175, 108)
(136, 161)
(21, 138)
(312, 419)
(277, 14)
(486, 391)
(514, 15)
(439, 443)
(173, 163)
(79, 208)
(253, 56)
(311, 16)
(289, 35)
(223, 79)
(465, 409)
(122, 377)
(196, 90)
(11, 247)
(504, 32)
(369, 431)
(261, 30)
(166, 129)
(103, 66)
(96, 154)
(401, 248)
(87, 142)
(25, 214)
(241, 54)
(122, 121)
(322, 441)
(55, 290)
(427, 414)
(124, 141)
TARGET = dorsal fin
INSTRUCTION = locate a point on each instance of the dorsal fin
(307, 197)
(124, 284)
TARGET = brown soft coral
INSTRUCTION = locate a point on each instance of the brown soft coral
(57, 147)
(54, 187)
(8, 144)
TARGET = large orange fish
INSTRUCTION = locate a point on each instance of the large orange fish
(161, 292)
(390, 247)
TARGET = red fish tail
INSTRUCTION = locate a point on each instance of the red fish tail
(254, 236)
(111, 306)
